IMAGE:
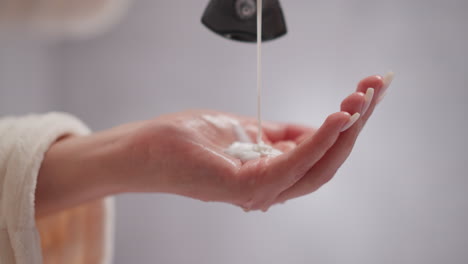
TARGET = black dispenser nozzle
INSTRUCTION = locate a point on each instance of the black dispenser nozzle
(236, 19)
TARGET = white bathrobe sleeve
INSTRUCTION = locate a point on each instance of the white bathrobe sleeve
(23, 142)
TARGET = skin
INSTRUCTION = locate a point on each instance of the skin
(183, 154)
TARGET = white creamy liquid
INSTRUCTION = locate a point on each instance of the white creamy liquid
(249, 151)
(244, 149)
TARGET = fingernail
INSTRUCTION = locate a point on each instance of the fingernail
(351, 122)
(387, 80)
(381, 97)
(246, 210)
(368, 99)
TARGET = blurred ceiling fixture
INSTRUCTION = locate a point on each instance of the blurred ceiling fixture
(69, 18)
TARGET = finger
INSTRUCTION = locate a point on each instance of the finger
(305, 155)
(324, 170)
(299, 133)
(286, 169)
(326, 167)
(380, 85)
(377, 83)
(282, 132)
(354, 103)
(374, 81)
(387, 80)
(275, 131)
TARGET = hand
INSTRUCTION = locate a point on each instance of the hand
(183, 154)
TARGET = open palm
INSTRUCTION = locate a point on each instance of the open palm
(184, 153)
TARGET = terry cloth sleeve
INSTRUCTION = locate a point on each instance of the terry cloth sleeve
(23, 143)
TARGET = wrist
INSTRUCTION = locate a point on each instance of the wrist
(139, 160)
(132, 159)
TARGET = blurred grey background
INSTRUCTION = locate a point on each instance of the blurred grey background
(402, 196)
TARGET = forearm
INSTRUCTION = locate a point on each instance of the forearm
(77, 169)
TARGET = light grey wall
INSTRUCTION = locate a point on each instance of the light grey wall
(402, 197)
(27, 74)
